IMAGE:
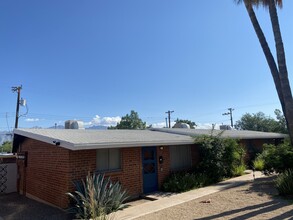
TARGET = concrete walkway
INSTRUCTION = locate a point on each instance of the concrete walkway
(172, 200)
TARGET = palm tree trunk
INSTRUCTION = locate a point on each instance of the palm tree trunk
(267, 52)
(283, 73)
(265, 47)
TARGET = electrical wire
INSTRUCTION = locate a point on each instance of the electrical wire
(26, 106)
(7, 124)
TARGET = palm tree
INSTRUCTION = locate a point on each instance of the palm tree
(278, 69)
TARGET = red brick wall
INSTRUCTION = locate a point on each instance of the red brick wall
(51, 170)
(46, 173)
(130, 175)
(81, 162)
(163, 168)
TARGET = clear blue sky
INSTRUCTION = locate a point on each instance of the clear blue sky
(79, 59)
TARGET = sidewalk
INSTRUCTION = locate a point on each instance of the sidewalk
(172, 200)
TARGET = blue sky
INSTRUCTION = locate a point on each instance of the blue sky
(96, 60)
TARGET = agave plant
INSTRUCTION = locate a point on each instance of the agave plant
(97, 196)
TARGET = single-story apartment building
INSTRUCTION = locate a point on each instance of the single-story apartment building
(252, 141)
(49, 160)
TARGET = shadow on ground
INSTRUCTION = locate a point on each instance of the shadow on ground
(261, 186)
(14, 207)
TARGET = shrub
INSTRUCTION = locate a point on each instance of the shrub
(258, 163)
(96, 197)
(219, 156)
(277, 158)
(211, 150)
(239, 170)
(284, 183)
(233, 158)
(183, 181)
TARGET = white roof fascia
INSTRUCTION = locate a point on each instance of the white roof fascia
(127, 144)
(43, 138)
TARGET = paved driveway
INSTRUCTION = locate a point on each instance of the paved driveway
(14, 207)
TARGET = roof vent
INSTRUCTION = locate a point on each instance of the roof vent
(74, 124)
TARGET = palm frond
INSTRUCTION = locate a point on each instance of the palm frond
(257, 3)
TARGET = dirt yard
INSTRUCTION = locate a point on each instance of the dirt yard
(256, 200)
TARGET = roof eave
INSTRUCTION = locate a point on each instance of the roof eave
(124, 145)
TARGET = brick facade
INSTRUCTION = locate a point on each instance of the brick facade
(51, 170)
(164, 167)
(47, 172)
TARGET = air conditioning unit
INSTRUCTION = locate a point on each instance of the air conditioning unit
(74, 124)
(225, 127)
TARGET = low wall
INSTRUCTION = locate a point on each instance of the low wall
(8, 174)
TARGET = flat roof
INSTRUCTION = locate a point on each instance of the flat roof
(234, 134)
(75, 139)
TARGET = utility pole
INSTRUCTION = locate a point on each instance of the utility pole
(231, 115)
(17, 89)
(166, 122)
(169, 117)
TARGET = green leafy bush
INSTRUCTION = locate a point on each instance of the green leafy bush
(258, 163)
(219, 157)
(6, 147)
(184, 181)
(277, 158)
(239, 170)
(284, 183)
(233, 157)
(96, 197)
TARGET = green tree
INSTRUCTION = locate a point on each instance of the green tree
(131, 121)
(282, 126)
(6, 147)
(190, 123)
(277, 67)
(260, 122)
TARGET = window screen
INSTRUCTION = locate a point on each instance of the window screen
(108, 159)
(180, 157)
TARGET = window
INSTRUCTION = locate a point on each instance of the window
(180, 157)
(108, 159)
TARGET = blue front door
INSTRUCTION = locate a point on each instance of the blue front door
(149, 169)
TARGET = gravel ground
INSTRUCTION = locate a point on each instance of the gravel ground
(255, 200)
